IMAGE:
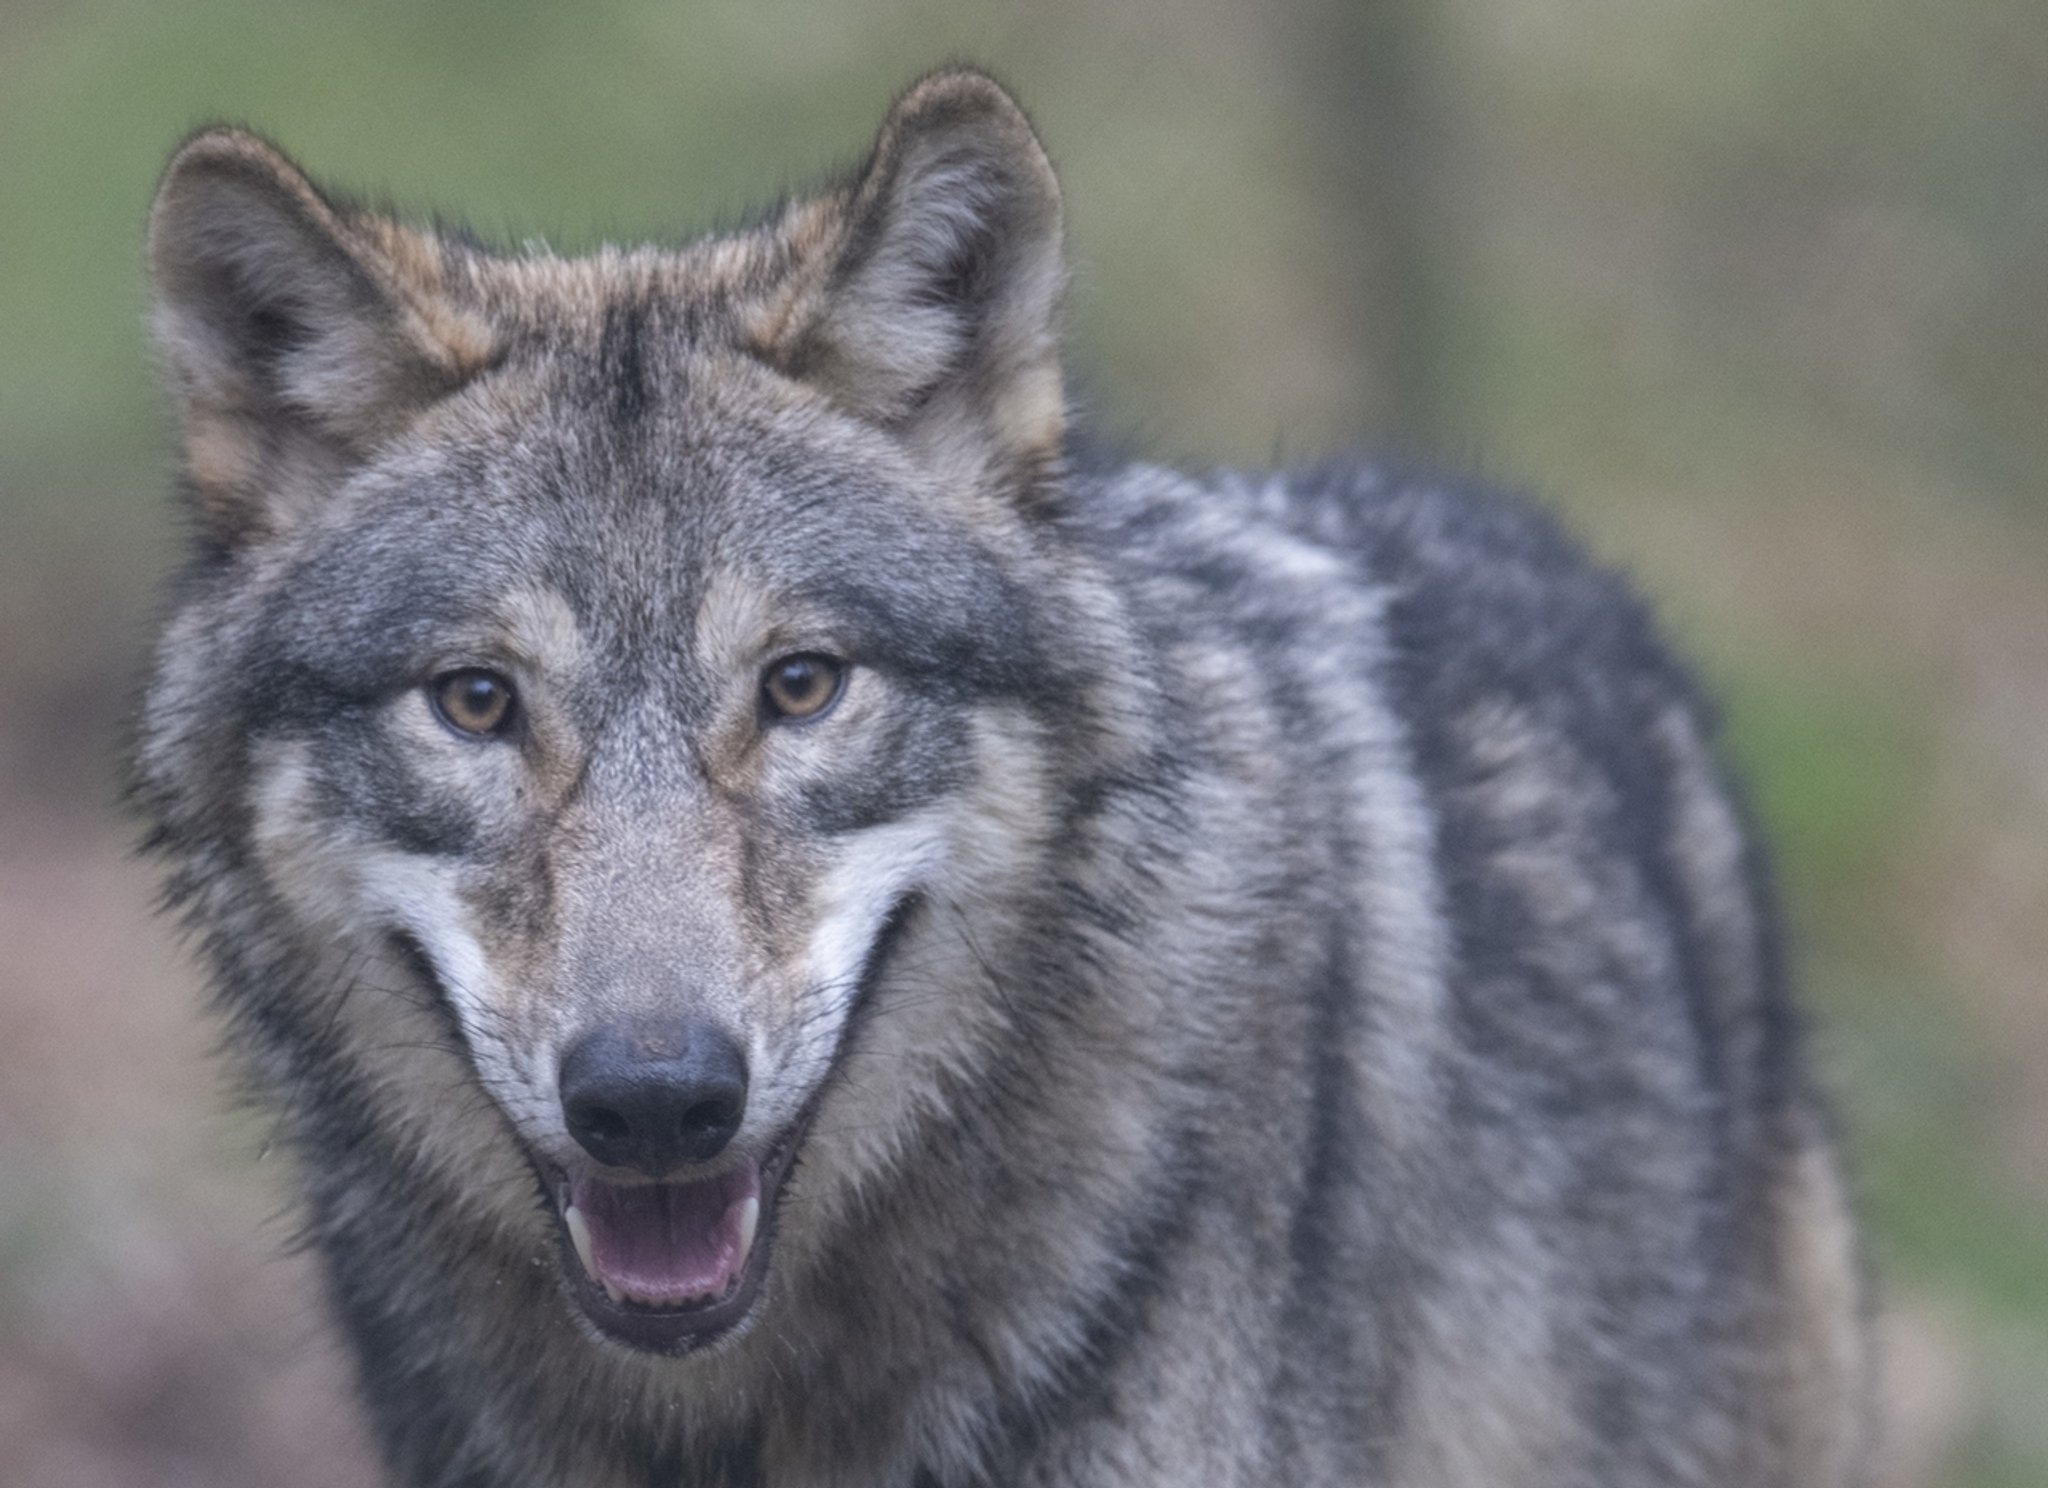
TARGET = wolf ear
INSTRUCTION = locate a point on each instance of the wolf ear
(296, 336)
(926, 296)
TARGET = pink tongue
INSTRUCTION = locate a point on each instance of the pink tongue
(666, 1243)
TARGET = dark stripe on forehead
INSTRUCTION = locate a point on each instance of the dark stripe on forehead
(621, 359)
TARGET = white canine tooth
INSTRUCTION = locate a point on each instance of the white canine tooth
(612, 1292)
(750, 1220)
(579, 1236)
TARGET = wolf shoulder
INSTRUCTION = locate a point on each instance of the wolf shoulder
(1586, 835)
(1471, 720)
(1478, 596)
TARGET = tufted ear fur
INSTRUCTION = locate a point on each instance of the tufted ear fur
(297, 335)
(926, 295)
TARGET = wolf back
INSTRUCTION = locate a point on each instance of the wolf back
(803, 932)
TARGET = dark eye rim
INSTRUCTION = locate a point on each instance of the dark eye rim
(507, 721)
(773, 713)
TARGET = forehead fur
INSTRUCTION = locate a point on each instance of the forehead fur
(731, 289)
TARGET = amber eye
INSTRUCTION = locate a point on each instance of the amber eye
(473, 701)
(801, 686)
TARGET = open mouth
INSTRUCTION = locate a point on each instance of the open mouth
(669, 1267)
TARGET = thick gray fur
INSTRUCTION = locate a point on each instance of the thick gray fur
(1297, 1004)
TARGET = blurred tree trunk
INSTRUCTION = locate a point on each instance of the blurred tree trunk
(1370, 77)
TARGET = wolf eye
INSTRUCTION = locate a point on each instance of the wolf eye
(801, 686)
(473, 701)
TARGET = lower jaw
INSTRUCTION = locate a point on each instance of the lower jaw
(683, 1328)
(670, 1331)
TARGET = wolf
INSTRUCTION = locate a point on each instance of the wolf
(806, 929)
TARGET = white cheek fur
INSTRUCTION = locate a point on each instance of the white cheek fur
(876, 870)
(356, 889)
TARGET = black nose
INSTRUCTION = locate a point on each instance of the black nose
(654, 1096)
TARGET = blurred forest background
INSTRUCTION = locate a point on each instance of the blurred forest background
(1756, 291)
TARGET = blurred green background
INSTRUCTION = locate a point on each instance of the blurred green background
(1755, 290)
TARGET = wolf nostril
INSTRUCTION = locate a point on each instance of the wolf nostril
(712, 1120)
(594, 1126)
(654, 1098)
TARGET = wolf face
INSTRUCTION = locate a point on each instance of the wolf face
(628, 650)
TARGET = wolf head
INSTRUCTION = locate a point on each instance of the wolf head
(600, 681)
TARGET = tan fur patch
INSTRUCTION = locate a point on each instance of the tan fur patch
(542, 629)
(1031, 417)
(808, 233)
(1823, 1384)
(221, 452)
(1485, 1402)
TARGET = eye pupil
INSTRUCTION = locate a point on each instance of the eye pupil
(801, 686)
(474, 701)
(796, 681)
